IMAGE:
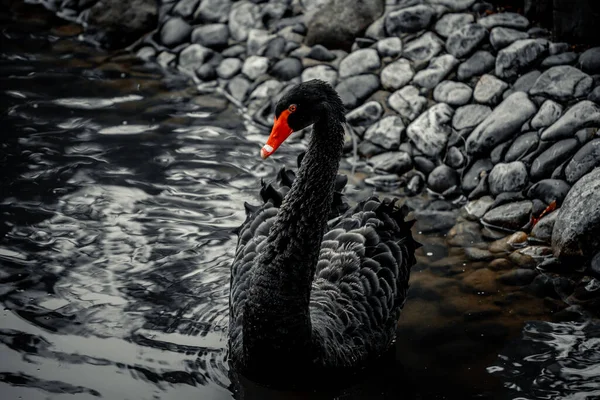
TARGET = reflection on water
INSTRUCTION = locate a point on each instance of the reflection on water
(120, 190)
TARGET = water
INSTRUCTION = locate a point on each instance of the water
(120, 190)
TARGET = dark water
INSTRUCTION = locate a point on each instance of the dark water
(120, 189)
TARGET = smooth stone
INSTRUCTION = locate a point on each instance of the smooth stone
(238, 87)
(557, 48)
(243, 17)
(165, 59)
(453, 5)
(423, 48)
(146, 53)
(286, 69)
(429, 132)
(206, 72)
(211, 35)
(577, 227)
(509, 216)
(257, 41)
(408, 20)
(562, 83)
(429, 221)
(549, 112)
(255, 66)
(365, 115)
(449, 23)
(508, 243)
(322, 72)
(549, 190)
(589, 60)
(464, 234)
(175, 31)
(193, 56)
(586, 159)
(518, 277)
(397, 74)
(415, 185)
(476, 209)
(213, 11)
(595, 95)
(453, 93)
(518, 56)
(376, 30)
(386, 133)
(465, 40)
(468, 117)
(185, 8)
(236, 50)
(501, 124)
(423, 164)
(523, 145)
(501, 37)
(472, 175)
(397, 162)
(442, 178)
(389, 47)
(407, 102)
(524, 83)
(582, 114)
(552, 158)
(509, 177)
(498, 153)
(229, 67)
(506, 19)
(543, 229)
(355, 89)
(479, 63)
(438, 68)
(277, 48)
(567, 58)
(359, 62)
(489, 90)
(321, 53)
(454, 158)
(368, 149)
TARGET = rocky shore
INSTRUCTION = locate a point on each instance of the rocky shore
(474, 107)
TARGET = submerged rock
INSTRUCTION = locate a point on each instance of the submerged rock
(582, 114)
(562, 83)
(430, 131)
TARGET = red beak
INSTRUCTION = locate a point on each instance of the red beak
(281, 131)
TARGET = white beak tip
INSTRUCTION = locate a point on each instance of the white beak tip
(266, 151)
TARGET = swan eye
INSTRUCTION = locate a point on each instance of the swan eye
(292, 108)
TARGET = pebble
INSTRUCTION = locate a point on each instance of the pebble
(498, 153)
(397, 162)
(595, 95)
(586, 159)
(321, 53)
(175, 31)
(213, 11)
(258, 40)
(229, 67)
(276, 48)
(355, 89)
(236, 50)
(523, 145)
(389, 47)
(322, 72)
(359, 62)
(465, 40)
(386, 133)
(423, 164)
(244, 16)
(185, 8)
(429, 132)
(407, 102)
(165, 59)
(508, 177)
(472, 175)
(238, 87)
(501, 124)
(451, 22)
(255, 66)
(437, 70)
(518, 56)
(211, 35)
(501, 37)
(543, 229)
(146, 53)
(489, 90)
(523, 83)
(397, 74)
(455, 158)
(553, 157)
(518, 277)
(206, 72)
(453, 5)
(567, 58)
(507, 19)
(510, 216)
(549, 190)
(464, 234)
(562, 83)
(549, 112)
(508, 243)
(589, 61)
(365, 115)
(582, 114)
(193, 56)
(479, 63)
(408, 20)
(453, 93)
(468, 117)
(443, 178)
(423, 48)
(286, 69)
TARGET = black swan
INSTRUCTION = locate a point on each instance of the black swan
(310, 293)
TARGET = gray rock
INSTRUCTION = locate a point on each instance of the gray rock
(453, 93)
(476, 209)
(489, 90)
(386, 133)
(583, 114)
(286, 69)
(577, 227)
(438, 69)
(376, 30)
(543, 166)
(355, 89)
(523, 83)
(206, 72)
(175, 31)
(165, 59)
(423, 48)
(396, 162)
(397, 74)
(257, 41)
(586, 159)
(473, 175)
(146, 53)
(389, 47)
(229, 67)
(429, 221)
(589, 61)
(519, 55)
(365, 115)
(430, 131)
(548, 114)
(501, 124)
(407, 20)
(407, 102)
(213, 11)
(322, 72)
(236, 50)
(543, 229)
(321, 53)
(501, 37)
(567, 58)
(211, 35)
(442, 178)
(549, 190)
(449, 23)
(507, 19)
(479, 63)
(510, 177)
(595, 95)
(359, 62)
(455, 158)
(465, 40)
(238, 87)
(511, 216)
(193, 56)
(453, 5)
(185, 8)
(255, 66)
(562, 83)
(423, 164)
(523, 145)
(497, 154)
(244, 16)
(468, 117)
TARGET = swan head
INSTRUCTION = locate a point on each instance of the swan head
(302, 106)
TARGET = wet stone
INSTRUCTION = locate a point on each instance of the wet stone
(489, 90)
(507, 19)
(386, 133)
(519, 55)
(508, 243)
(500, 264)
(442, 178)
(397, 162)
(449, 23)
(424, 48)
(498, 153)
(407, 20)
(206, 72)
(229, 67)
(475, 254)
(175, 31)
(415, 184)
(320, 53)
(468, 117)
(518, 277)
(523, 145)
(586, 159)
(255, 66)
(423, 164)
(430, 131)
(589, 61)
(472, 176)
(582, 114)
(389, 47)
(359, 62)
(211, 35)
(355, 89)
(453, 93)
(501, 37)
(407, 102)
(213, 11)
(479, 63)
(543, 229)
(543, 166)
(567, 58)
(454, 158)
(465, 40)
(323, 72)
(438, 68)
(244, 16)
(287, 69)
(397, 74)
(509, 216)
(482, 188)
(481, 280)
(549, 113)
(562, 83)
(365, 115)
(509, 177)
(476, 209)
(434, 221)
